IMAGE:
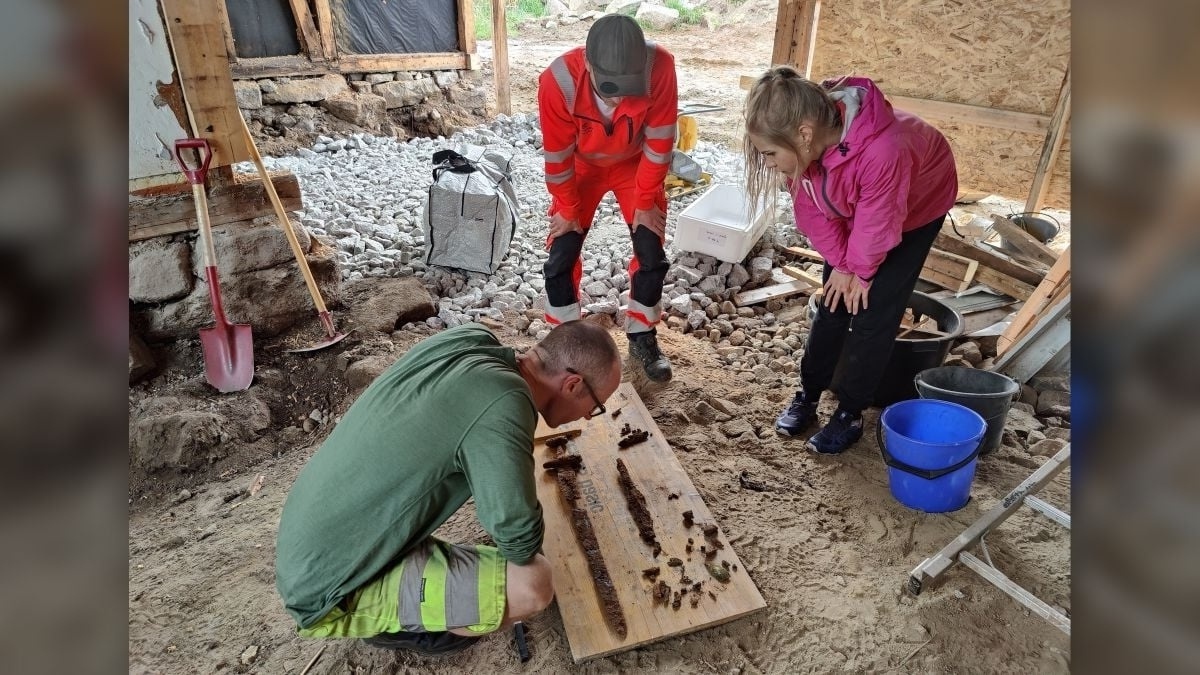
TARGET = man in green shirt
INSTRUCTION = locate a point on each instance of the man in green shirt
(453, 419)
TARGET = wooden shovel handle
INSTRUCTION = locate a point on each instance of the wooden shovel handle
(283, 219)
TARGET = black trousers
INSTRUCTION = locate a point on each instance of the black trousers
(865, 340)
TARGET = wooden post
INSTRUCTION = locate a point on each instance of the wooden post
(500, 58)
(1054, 141)
(1054, 286)
(796, 34)
(307, 29)
(466, 26)
(198, 44)
(325, 26)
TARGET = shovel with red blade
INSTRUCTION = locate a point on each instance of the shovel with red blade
(228, 347)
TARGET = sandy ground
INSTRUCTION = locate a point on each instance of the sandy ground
(828, 546)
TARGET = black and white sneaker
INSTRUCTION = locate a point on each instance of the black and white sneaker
(842, 431)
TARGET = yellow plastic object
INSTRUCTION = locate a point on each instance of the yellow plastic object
(689, 133)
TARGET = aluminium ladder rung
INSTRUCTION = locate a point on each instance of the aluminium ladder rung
(1049, 510)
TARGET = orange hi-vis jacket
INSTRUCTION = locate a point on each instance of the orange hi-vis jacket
(574, 130)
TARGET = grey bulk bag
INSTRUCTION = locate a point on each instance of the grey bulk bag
(470, 211)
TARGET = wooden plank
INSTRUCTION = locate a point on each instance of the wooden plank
(1057, 280)
(953, 244)
(227, 31)
(306, 29)
(1054, 140)
(198, 44)
(279, 66)
(1040, 345)
(805, 253)
(771, 292)
(500, 72)
(466, 26)
(242, 199)
(961, 113)
(656, 471)
(796, 34)
(957, 270)
(325, 26)
(1022, 240)
(801, 275)
(1003, 283)
(368, 63)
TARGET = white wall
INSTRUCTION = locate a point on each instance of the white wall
(149, 63)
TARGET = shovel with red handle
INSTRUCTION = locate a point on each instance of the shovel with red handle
(228, 347)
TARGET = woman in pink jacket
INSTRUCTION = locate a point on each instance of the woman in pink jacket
(871, 187)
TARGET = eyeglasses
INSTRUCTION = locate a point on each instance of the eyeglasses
(599, 409)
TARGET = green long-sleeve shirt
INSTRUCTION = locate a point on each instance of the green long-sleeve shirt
(450, 420)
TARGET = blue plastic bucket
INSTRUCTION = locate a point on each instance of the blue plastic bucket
(931, 448)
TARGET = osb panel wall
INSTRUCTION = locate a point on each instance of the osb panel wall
(1009, 54)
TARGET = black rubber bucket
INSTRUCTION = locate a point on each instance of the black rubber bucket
(909, 355)
(987, 393)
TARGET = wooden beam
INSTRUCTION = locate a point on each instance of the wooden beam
(1023, 241)
(364, 63)
(952, 244)
(325, 26)
(1057, 280)
(466, 26)
(242, 199)
(306, 29)
(950, 271)
(500, 58)
(796, 34)
(198, 45)
(770, 292)
(227, 30)
(805, 253)
(1054, 141)
(962, 113)
(1003, 283)
(801, 275)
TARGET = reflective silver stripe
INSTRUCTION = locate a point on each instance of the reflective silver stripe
(665, 131)
(561, 176)
(566, 84)
(557, 315)
(411, 580)
(560, 155)
(656, 157)
(462, 585)
(597, 157)
(636, 311)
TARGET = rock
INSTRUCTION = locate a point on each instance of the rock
(728, 308)
(1058, 433)
(915, 632)
(246, 246)
(736, 427)
(403, 93)
(178, 440)
(362, 373)
(385, 305)
(626, 7)
(657, 17)
(1028, 395)
(247, 94)
(1021, 420)
(697, 318)
(712, 284)
(721, 404)
(738, 276)
(760, 270)
(1054, 402)
(249, 655)
(159, 270)
(1046, 447)
(681, 305)
(970, 352)
(1053, 382)
(141, 361)
(303, 90)
(364, 110)
(173, 542)
(272, 300)
(706, 413)
(183, 496)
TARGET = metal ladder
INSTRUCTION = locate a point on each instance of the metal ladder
(931, 569)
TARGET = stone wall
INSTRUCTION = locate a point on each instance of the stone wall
(260, 281)
(399, 104)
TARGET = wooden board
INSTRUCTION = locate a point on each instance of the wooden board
(1056, 284)
(654, 468)
(1053, 143)
(244, 198)
(500, 75)
(997, 261)
(950, 271)
(1023, 241)
(771, 292)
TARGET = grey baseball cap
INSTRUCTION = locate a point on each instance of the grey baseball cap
(616, 52)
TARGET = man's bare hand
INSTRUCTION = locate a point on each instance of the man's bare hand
(653, 219)
(560, 226)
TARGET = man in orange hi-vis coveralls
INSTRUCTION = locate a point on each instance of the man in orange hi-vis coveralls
(608, 112)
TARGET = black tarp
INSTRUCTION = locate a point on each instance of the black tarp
(262, 28)
(396, 26)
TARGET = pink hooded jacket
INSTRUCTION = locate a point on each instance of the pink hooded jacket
(891, 173)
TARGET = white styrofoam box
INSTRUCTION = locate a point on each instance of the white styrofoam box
(718, 224)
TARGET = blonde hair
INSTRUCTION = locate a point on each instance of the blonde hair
(778, 103)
